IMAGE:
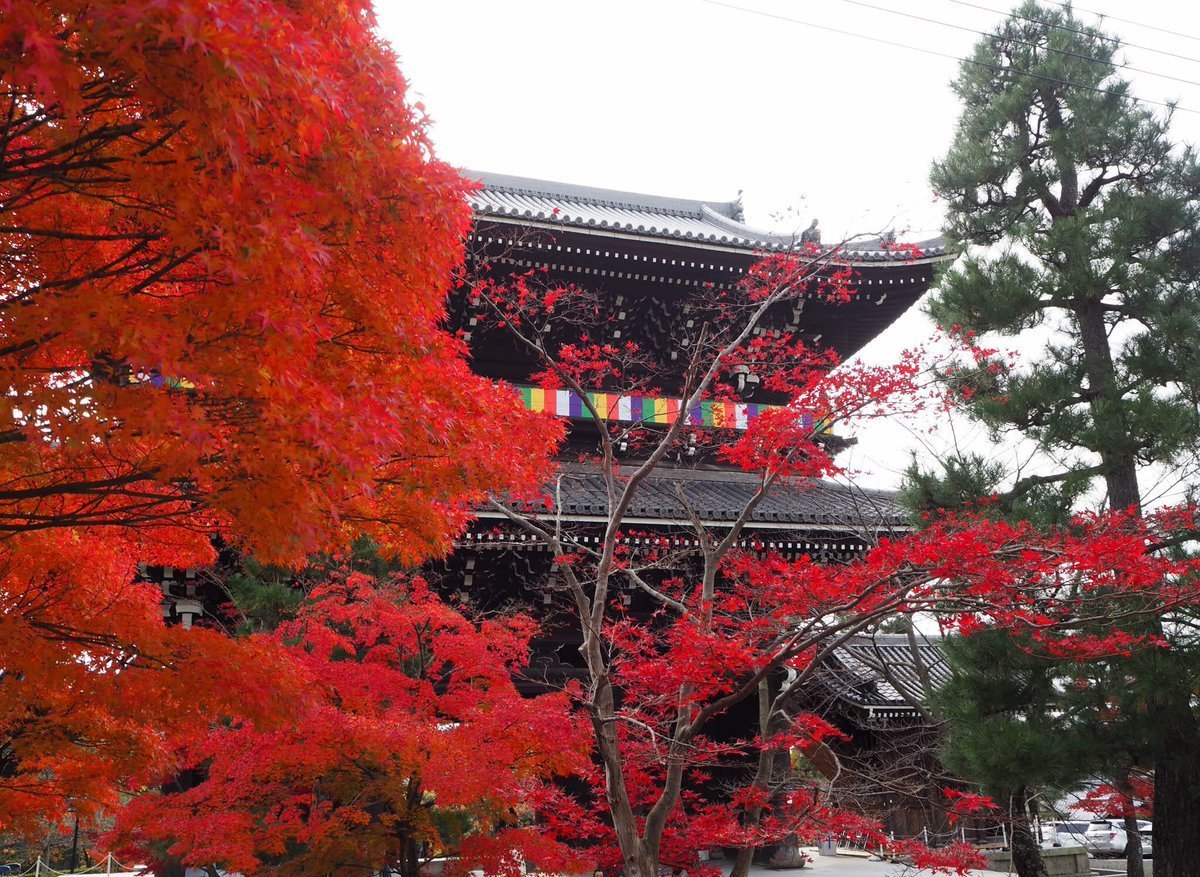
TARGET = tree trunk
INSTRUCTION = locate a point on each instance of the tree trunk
(1177, 774)
(762, 779)
(643, 865)
(1108, 412)
(169, 866)
(1177, 812)
(742, 862)
(639, 858)
(410, 859)
(1134, 864)
(74, 863)
(1026, 852)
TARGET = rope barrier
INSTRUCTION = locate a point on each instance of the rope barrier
(109, 865)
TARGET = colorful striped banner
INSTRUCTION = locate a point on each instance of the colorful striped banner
(646, 409)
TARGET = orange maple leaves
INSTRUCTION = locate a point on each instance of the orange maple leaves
(224, 245)
(93, 686)
(239, 198)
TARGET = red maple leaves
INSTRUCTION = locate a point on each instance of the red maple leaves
(408, 725)
(727, 621)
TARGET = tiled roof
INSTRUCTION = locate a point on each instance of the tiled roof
(719, 496)
(718, 223)
(883, 671)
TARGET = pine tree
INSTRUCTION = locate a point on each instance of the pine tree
(1077, 213)
(1005, 732)
(1075, 210)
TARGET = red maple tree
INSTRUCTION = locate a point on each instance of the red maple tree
(731, 621)
(225, 245)
(94, 686)
(411, 723)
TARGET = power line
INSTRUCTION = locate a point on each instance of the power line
(831, 29)
(1063, 52)
(947, 55)
(1173, 33)
(1106, 37)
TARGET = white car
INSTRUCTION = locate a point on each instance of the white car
(1066, 833)
(1107, 837)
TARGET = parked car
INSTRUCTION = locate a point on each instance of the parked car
(1107, 837)
(1067, 833)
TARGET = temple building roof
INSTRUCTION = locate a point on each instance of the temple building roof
(717, 497)
(886, 672)
(715, 223)
(650, 258)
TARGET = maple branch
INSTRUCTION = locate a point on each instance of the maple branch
(658, 595)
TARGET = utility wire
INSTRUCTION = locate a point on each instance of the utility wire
(981, 33)
(936, 53)
(829, 28)
(1189, 58)
(1173, 33)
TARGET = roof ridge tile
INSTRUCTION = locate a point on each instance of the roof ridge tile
(705, 221)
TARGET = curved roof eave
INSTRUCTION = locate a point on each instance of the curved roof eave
(696, 224)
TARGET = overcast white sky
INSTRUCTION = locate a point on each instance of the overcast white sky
(699, 99)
